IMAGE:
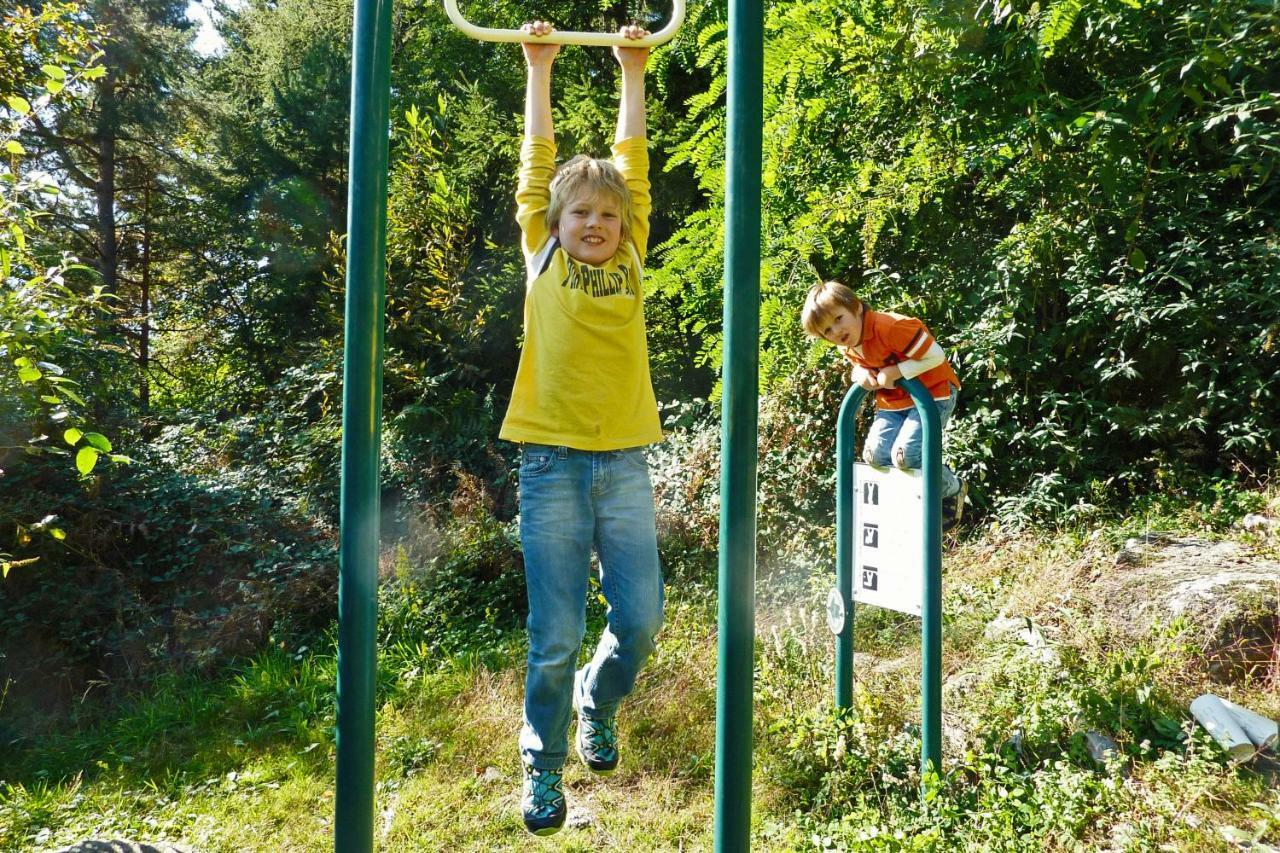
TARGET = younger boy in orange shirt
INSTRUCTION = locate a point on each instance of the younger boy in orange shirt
(883, 348)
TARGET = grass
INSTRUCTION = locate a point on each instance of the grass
(245, 761)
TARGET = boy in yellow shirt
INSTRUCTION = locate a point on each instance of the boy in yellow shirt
(583, 409)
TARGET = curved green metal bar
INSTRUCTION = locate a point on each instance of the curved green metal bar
(931, 607)
(846, 523)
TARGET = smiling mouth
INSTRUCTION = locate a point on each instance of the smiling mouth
(593, 240)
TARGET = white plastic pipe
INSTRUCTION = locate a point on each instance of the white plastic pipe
(662, 36)
(1263, 732)
(1223, 725)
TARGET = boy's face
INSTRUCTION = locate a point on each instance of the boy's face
(842, 327)
(590, 228)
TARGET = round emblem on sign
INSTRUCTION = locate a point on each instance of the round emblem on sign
(835, 611)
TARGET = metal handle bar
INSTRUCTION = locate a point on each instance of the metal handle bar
(662, 36)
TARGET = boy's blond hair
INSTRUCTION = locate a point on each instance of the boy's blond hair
(824, 300)
(589, 176)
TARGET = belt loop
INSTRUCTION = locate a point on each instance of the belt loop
(562, 452)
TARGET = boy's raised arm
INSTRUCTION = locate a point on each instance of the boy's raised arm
(630, 149)
(631, 115)
(538, 153)
(537, 93)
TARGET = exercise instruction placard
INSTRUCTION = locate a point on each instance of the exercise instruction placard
(888, 538)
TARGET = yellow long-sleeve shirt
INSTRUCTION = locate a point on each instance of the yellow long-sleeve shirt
(583, 379)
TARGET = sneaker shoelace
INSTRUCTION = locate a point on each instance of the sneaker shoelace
(546, 791)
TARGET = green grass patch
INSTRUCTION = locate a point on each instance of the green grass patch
(244, 760)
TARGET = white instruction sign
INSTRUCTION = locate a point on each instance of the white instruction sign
(888, 538)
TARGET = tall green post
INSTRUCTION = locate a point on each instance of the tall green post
(361, 424)
(931, 606)
(734, 687)
(846, 523)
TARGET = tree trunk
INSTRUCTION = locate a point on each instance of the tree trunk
(144, 308)
(108, 119)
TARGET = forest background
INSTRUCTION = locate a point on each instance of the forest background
(1078, 196)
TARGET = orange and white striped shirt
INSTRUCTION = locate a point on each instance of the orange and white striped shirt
(888, 339)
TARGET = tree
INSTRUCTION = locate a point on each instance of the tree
(120, 148)
(45, 317)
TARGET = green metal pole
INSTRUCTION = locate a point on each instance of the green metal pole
(931, 608)
(361, 425)
(846, 523)
(734, 687)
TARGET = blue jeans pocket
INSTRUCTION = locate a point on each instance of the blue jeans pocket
(536, 459)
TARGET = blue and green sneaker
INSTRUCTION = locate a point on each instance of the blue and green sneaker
(597, 743)
(543, 801)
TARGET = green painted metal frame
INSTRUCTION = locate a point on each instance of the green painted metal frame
(739, 406)
(362, 425)
(931, 607)
(362, 404)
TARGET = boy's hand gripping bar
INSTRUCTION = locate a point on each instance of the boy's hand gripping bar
(662, 36)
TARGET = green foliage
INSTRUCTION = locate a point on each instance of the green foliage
(49, 316)
(468, 598)
(1058, 21)
(1070, 195)
(160, 570)
(856, 784)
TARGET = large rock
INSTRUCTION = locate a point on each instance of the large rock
(1227, 592)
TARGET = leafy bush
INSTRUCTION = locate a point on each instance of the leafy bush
(50, 311)
(165, 567)
(856, 781)
(461, 591)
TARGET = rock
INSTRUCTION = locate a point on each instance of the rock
(579, 818)
(1010, 628)
(1128, 557)
(1100, 746)
(1103, 749)
(1226, 593)
(1259, 523)
(959, 685)
(1015, 743)
(1151, 537)
(1136, 548)
(955, 737)
(491, 774)
(1124, 836)
(1021, 630)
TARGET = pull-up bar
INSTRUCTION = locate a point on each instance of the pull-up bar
(662, 36)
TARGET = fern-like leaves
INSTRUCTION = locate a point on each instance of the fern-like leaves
(1058, 21)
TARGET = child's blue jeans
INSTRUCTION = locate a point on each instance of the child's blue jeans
(896, 438)
(571, 500)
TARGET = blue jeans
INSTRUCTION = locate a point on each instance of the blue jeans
(571, 500)
(896, 438)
